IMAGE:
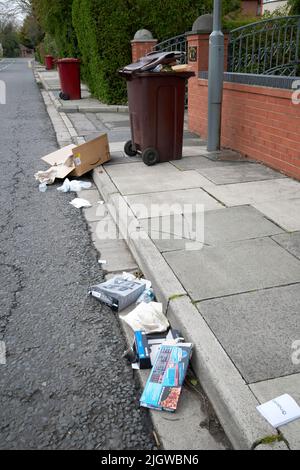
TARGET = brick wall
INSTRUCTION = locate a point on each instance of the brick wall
(260, 122)
(141, 48)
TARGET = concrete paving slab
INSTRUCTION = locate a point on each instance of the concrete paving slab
(285, 212)
(234, 268)
(91, 195)
(290, 241)
(95, 213)
(233, 401)
(116, 135)
(254, 193)
(237, 223)
(119, 158)
(113, 117)
(88, 136)
(176, 202)
(112, 249)
(99, 125)
(238, 173)
(170, 233)
(190, 135)
(193, 150)
(193, 141)
(269, 389)
(141, 179)
(82, 123)
(198, 162)
(117, 146)
(117, 255)
(257, 330)
(227, 155)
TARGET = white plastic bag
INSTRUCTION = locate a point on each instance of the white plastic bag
(74, 186)
(148, 318)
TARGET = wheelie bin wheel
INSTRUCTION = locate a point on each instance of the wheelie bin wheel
(129, 150)
(64, 96)
(150, 156)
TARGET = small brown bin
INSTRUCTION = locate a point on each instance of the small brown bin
(156, 106)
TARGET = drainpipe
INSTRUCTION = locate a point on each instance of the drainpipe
(215, 79)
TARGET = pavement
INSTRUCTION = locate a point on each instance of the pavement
(230, 281)
(65, 384)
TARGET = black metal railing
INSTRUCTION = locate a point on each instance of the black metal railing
(177, 43)
(269, 47)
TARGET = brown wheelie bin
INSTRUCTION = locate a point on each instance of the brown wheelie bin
(156, 106)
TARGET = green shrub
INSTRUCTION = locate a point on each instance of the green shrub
(103, 31)
(55, 16)
(294, 7)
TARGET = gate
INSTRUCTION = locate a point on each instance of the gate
(268, 47)
(178, 43)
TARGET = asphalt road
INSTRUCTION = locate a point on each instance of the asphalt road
(65, 384)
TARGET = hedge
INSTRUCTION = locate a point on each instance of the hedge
(55, 16)
(104, 30)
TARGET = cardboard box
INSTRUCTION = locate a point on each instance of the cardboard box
(163, 388)
(118, 292)
(146, 346)
(90, 155)
(77, 160)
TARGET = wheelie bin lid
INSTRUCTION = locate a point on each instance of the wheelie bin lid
(68, 60)
(152, 60)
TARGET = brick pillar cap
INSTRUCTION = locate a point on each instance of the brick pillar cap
(143, 35)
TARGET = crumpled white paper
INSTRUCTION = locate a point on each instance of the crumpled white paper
(47, 177)
(79, 203)
(148, 318)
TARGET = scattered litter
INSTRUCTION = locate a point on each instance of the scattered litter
(145, 349)
(147, 296)
(75, 160)
(118, 292)
(102, 261)
(74, 186)
(280, 411)
(79, 203)
(164, 384)
(47, 177)
(100, 202)
(152, 60)
(148, 318)
(43, 187)
(182, 68)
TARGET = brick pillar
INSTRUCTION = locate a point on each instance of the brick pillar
(198, 58)
(140, 48)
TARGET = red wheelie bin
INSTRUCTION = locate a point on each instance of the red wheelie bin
(49, 61)
(69, 74)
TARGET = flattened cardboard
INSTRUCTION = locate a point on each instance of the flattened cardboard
(90, 155)
(77, 160)
(61, 160)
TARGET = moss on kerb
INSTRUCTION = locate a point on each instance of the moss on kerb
(269, 440)
(176, 296)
